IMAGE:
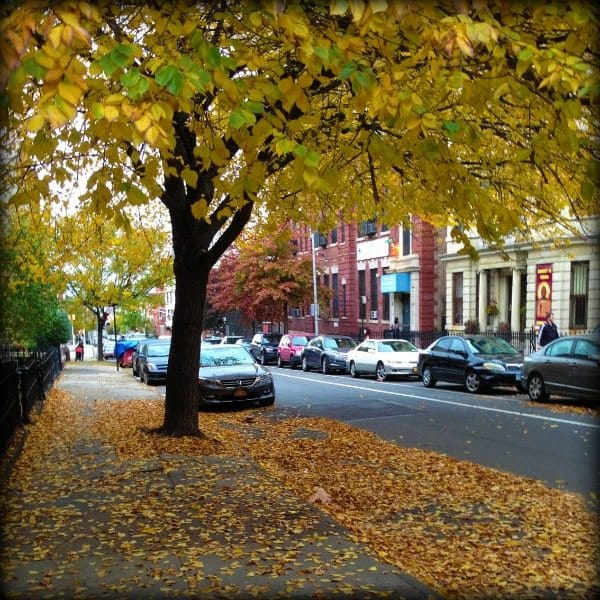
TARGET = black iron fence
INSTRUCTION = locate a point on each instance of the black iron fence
(25, 377)
(525, 341)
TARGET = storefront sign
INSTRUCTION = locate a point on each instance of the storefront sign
(543, 291)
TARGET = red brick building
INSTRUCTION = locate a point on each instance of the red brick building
(378, 276)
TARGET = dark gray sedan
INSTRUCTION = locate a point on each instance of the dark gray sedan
(229, 374)
(568, 366)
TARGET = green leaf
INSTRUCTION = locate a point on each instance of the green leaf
(213, 57)
(33, 68)
(451, 127)
(347, 70)
(176, 82)
(164, 75)
(108, 65)
(240, 118)
(300, 150)
(121, 55)
(255, 107)
(131, 78)
(322, 53)
(525, 54)
(312, 159)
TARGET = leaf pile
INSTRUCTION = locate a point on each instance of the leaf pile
(462, 529)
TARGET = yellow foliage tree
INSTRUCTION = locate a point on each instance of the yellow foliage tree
(469, 114)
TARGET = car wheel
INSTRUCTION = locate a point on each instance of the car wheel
(262, 359)
(380, 371)
(428, 380)
(268, 402)
(472, 382)
(353, 372)
(145, 378)
(279, 363)
(326, 366)
(536, 388)
(304, 364)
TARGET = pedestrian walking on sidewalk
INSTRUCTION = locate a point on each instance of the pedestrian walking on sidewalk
(548, 331)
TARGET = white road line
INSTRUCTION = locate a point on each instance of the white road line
(450, 402)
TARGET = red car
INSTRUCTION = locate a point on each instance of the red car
(290, 348)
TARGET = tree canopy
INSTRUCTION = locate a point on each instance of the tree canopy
(468, 114)
(261, 277)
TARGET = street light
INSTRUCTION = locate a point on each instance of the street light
(315, 307)
(114, 307)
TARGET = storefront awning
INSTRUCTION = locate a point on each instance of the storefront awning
(395, 282)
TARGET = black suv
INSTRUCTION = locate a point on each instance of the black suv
(264, 347)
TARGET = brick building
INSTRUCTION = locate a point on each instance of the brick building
(378, 276)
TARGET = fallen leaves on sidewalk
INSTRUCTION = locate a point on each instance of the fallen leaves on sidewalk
(465, 530)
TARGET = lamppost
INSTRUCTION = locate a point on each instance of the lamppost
(315, 307)
(114, 307)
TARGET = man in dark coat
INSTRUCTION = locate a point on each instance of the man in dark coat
(548, 331)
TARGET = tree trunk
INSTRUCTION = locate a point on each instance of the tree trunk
(182, 396)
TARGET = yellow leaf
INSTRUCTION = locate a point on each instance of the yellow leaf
(36, 122)
(56, 117)
(71, 93)
(199, 209)
(55, 37)
(111, 113)
(190, 177)
(142, 123)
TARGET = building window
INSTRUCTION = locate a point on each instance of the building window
(579, 295)
(374, 294)
(344, 303)
(335, 303)
(333, 236)
(457, 298)
(406, 239)
(367, 228)
(362, 295)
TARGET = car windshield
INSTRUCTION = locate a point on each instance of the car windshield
(299, 340)
(485, 345)
(396, 346)
(271, 339)
(339, 342)
(213, 356)
(158, 350)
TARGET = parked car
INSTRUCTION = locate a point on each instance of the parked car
(289, 350)
(264, 347)
(153, 361)
(327, 352)
(568, 366)
(475, 361)
(135, 358)
(229, 373)
(231, 339)
(212, 339)
(244, 342)
(383, 358)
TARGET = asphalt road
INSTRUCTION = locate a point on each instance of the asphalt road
(498, 429)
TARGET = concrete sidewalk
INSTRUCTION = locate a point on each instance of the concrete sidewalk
(79, 522)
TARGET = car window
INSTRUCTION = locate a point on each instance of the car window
(224, 357)
(271, 339)
(158, 350)
(345, 343)
(491, 345)
(457, 345)
(443, 345)
(560, 348)
(585, 349)
(299, 340)
(397, 346)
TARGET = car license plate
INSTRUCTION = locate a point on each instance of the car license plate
(240, 393)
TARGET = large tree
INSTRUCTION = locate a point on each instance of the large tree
(470, 114)
(261, 277)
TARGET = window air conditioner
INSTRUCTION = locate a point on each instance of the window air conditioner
(294, 312)
(373, 314)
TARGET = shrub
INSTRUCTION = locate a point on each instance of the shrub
(472, 326)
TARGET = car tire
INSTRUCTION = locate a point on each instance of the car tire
(353, 372)
(263, 361)
(268, 402)
(305, 366)
(293, 364)
(536, 388)
(145, 379)
(279, 363)
(472, 382)
(427, 378)
(380, 371)
(326, 366)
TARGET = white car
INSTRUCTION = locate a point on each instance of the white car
(383, 358)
